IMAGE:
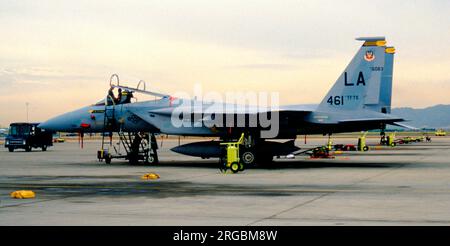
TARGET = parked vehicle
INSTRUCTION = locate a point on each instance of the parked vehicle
(27, 136)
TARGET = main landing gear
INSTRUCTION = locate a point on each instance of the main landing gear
(251, 152)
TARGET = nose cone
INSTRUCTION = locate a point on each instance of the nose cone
(68, 122)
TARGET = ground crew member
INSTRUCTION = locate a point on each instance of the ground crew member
(128, 95)
(111, 98)
(119, 97)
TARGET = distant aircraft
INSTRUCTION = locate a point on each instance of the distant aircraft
(360, 100)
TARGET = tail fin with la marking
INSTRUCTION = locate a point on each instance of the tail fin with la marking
(366, 82)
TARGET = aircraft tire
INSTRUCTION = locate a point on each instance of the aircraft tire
(151, 159)
(248, 157)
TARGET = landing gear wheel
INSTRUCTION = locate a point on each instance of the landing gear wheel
(248, 157)
(235, 167)
(150, 159)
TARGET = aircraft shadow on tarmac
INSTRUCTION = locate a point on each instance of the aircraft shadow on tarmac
(164, 189)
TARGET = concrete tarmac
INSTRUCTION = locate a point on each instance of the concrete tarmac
(405, 185)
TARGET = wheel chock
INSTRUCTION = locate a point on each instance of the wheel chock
(149, 176)
(23, 194)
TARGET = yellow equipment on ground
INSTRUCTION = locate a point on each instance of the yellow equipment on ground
(440, 133)
(391, 139)
(232, 160)
(59, 140)
(149, 176)
(23, 194)
(329, 144)
(362, 143)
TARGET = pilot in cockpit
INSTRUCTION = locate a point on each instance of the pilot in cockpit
(126, 96)
(123, 96)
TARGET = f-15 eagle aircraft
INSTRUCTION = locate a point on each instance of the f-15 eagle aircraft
(360, 100)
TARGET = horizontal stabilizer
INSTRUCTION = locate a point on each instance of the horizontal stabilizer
(382, 120)
(404, 126)
(371, 39)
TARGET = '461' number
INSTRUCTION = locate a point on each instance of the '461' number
(336, 100)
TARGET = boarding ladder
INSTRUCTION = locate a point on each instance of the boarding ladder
(138, 146)
(109, 120)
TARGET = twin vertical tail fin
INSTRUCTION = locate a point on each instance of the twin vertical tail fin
(366, 82)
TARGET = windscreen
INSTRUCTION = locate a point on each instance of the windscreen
(19, 130)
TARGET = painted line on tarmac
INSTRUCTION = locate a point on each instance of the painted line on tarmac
(289, 209)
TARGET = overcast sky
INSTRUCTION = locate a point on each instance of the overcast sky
(59, 55)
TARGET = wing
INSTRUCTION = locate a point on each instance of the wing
(214, 117)
(161, 116)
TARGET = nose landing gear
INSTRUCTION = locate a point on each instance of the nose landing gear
(137, 146)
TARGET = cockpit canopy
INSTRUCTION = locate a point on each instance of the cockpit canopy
(123, 97)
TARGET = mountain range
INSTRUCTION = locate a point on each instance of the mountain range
(437, 116)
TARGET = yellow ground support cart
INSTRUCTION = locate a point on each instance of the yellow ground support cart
(391, 139)
(440, 133)
(362, 146)
(232, 160)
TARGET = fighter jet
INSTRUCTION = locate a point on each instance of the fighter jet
(360, 100)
